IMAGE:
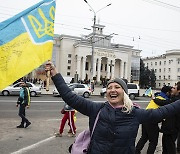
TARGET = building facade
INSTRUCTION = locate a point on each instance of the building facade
(73, 56)
(166, 67)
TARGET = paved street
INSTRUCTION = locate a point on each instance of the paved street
(45, 117)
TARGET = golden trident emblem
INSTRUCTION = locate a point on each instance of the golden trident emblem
(47, 28)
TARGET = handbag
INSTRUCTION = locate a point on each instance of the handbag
(82, 141)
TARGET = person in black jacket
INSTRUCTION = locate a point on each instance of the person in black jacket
(119, 119)
(23, 102)
(170, 126)
(150, 130)
(177, 93)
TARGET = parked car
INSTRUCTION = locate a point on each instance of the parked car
(15, 89)
(133, 90)
(80, 89)
(56, 93)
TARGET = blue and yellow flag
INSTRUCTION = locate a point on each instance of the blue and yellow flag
(148, 92)
(26, 41)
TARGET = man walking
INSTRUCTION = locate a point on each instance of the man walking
(150, 131)
(23, 101)
(170, 126)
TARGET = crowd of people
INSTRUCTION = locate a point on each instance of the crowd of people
(119, 119)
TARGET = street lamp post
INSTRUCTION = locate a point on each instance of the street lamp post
(93, 38)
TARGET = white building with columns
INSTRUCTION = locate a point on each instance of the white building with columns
(72, 55)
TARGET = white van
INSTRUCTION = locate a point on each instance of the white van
(133, 90)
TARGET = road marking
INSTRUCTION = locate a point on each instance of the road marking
(23, 150)
(33, 146)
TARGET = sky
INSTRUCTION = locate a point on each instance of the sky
(152, 26)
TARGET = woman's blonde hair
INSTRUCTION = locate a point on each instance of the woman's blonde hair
(128, 105)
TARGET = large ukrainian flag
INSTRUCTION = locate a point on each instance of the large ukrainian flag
(26, 41)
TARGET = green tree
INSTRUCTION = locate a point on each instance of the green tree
(153, 79)
(147, 77)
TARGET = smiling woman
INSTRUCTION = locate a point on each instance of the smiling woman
(119, 119)
(117, 95)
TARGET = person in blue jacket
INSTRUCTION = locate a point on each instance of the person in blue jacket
(119, 119)
(170, 126)
(150, 130)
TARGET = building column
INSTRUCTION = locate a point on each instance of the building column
(112, 69)
(125, 72)
(94, 67)
(83, 68)
(99, 70)
(78, 67)
(108, 68)
(122, 69)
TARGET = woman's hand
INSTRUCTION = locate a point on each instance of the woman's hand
(50, 67)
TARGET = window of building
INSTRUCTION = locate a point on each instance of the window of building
(170, 61)
(155, 63)
(159, 70)
(155, 70)
(169, 77)
(159, 77)
(169, 69)
(87, 66)
(69, 61)
(69, 67)
(159, 62)
(164, 62)
(178, 77)
(135, 74)
(68, 73)
(164, 77)
(178, 60)
(147, 64)
(178, 69)
(159, 84)
(69, 55)
(164, 69)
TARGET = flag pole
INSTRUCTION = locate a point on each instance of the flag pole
(47, 79)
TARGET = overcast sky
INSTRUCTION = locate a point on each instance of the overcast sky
(152, 26)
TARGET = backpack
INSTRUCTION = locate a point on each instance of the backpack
(82, 141)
